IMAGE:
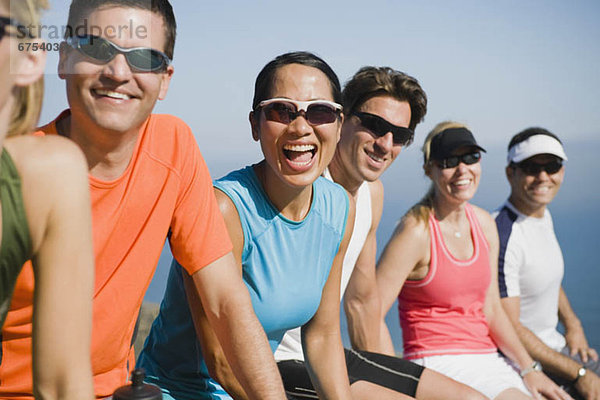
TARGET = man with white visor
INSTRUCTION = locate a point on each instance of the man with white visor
(531, 266)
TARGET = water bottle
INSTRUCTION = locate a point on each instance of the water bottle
(138, 390)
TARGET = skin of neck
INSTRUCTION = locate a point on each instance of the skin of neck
(293, 203)
(341, 174)
(453, 212)
(108, 153)
(526, 209)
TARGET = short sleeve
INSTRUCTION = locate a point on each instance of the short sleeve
(512, 262)
(198, 234)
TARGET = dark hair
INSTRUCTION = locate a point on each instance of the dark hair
(265, 78)
(529, 132)
(80, 9)
(369, 82)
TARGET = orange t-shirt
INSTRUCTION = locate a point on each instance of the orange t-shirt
(165, 191)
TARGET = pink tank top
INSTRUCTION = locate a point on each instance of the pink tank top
(443, 313)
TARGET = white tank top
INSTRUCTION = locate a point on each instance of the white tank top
(290, 347)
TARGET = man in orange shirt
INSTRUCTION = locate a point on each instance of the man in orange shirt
(148, 182)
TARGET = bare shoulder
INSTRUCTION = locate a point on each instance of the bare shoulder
(376, 189)
(226, 205)
(45, 158)
(484, 217)
(413, 227)
(488, 225)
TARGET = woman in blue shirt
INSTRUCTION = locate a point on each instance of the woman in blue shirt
(289, 228)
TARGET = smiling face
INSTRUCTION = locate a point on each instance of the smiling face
(111, 96)
(297, 153)
(364, 155)
(458, 184)
(530, 194)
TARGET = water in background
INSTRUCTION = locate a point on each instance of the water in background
(575, 212)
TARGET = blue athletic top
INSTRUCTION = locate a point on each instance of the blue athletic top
(285, 266)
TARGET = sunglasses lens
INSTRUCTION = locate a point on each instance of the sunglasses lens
(318, 114)
(402, 136)
(279, 112)
(553, 167)
(450, 162)
(96, 48)
(532, 168)
(471, 158)
(145, 59)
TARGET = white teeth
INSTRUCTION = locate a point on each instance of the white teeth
(542, 189)
(299, 147)
(374, 157)
(463, 182)
(300, 164)
(114, 95)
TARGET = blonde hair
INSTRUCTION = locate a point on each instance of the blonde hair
(423, 208)
(28, 100)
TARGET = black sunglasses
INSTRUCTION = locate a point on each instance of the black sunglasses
(532, 168)
(380, 127)
(6, 22)
(284, 111)
(467, 159)
(143, 59)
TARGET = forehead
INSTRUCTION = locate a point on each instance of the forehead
(301, 82)
(125, 26)
(389, 108)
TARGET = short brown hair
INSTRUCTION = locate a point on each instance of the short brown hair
(370, 81)
(80, 9)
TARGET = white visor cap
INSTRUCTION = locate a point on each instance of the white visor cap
(534, 145)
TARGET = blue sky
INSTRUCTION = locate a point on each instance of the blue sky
(497, 66)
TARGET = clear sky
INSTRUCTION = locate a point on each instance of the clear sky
(498, 66)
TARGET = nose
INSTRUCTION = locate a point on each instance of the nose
(543, 175)
(300, 126)
(118, 68)
(385, 142)
(461, 167)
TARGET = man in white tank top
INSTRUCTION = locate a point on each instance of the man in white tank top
(531, 267)
(382, 108)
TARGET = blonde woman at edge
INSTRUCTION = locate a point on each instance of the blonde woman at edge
(441, 263)
(45, 216)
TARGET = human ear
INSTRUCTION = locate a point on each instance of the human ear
(254, 125)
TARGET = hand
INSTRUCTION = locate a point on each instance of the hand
(577, 343)
(540, 385)
(589, 386)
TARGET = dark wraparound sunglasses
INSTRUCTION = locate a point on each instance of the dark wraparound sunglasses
(284, 111)
(467, 159)
(143, 59)
(380, 127)
(532, 168)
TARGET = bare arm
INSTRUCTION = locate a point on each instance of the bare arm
(258, 365)
(215, 359)
(229, 311)
(574, 334)
(406, 252)
(501, 329)
(321, 338)
(551, 360)
(57, 201)
(361, 300)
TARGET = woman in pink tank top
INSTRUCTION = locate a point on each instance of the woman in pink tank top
(441, 264)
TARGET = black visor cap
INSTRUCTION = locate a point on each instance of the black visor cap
(445, 143)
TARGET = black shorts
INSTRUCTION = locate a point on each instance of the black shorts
(390, 372)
